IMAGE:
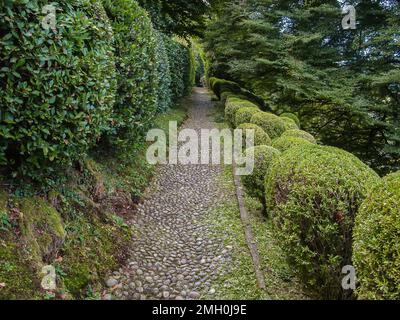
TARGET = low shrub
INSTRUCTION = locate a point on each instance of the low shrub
(136, 47)
(290, 124)
(228, 94)
(270, 123)
(313, 194)
(219, 86)
(245, 114)
(296, 133)
(291, 116)
(232, 105)
(260, 136)
(376, 254)
(57, 89)
(255, 182)
(284, 143)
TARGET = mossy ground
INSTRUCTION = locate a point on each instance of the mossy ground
(80, 227)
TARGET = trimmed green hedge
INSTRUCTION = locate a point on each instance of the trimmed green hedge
(219, 86)
(299, 134)
(284, 143)
(376, 248)
(182, 71)
(260, 136)
(136, 47)
(313, 194)
(291, 116)
(245, 114)
(263, 158)
(270, 123)
(164, 94)
(290, 124)
(234, 104)
(57, 90)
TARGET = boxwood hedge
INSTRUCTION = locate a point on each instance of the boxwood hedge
(299, 134)
(232, 105)
(284, 143)
(271, 124)
(290, 124)
(376, 248)
(57, 88)
(260, 136)
(313, 194)
(263, 158)
(291, 116)
(245, 114)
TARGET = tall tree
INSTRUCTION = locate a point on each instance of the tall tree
(343, 83)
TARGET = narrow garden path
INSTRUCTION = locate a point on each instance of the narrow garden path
(175, 254)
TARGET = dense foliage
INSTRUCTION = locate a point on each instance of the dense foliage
(344, 84)
(136, 70)
(245, 114)
(104, 72)
(263, 158)
(299, 134)
(57, 89)
(260, 136)
(376, 241)
(284, 143)
(181, 17)
(313, 194)
(271, 124)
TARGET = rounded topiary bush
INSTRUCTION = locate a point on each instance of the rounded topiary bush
(290, 124)
(270, 123)
(244, 115)
(299, 134)
(284, 143)
(232, 105)
(376, 248)
(57, 89)
(291, 116)
(136, 48)
(260, 136)
(255, 182)
(313, 194)
(228, 94)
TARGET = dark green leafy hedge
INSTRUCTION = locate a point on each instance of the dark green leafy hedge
(164, 94)
(313, 194)
(182, 69)
(57, 90)
(376, 253)
(136, 56)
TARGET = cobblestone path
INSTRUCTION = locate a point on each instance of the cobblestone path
(174, 254)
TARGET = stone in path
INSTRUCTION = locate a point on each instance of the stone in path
(173, 254)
